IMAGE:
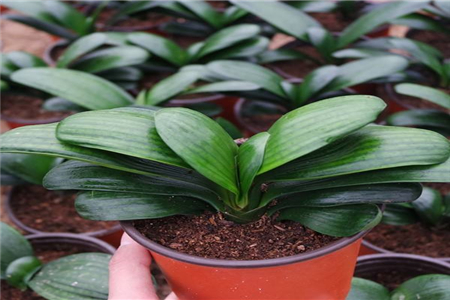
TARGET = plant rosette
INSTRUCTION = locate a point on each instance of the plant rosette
(64, 265)
(429, 214)
(400, 277)
(325, 166)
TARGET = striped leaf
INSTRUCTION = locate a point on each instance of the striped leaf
(363, 289)
(13, 246)
(311, 127)
(432, 119)
(371, 148)
(75, 277)
(113, 206)
(74, 175)
(432, 287)
(207, 147)
(161, 47)
(29, 167)
(424, 92)
(430, 206)
(339, 221)
(399, 214)
(130, 131)
(84, 89)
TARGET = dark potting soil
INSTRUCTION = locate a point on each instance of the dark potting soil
(414, 238)
(50, 211)
(185, 41)
(211, 236)
(439, 40)
(333, 22)
(297, 68)
(45, 253)
(27, 108)
(391, 279)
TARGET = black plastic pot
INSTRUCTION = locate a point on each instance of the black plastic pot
(50, 52)
(413, 264)
(111, 235)
(90, 243)
(325, 273)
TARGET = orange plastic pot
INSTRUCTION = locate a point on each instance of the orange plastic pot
(318, 275)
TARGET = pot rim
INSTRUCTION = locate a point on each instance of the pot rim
(238, 264)
(11, 215)
(366, 261)
(71, 238)
(388, 252)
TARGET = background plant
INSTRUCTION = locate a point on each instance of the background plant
(79, 276)
(54, 17)
(432, 286)
(325, 167)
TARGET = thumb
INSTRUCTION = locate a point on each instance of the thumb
(129, 273)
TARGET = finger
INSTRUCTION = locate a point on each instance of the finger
(171, 296)
(129, 272)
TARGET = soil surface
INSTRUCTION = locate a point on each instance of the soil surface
(45, 253)
(211, 236)
(414, 238)
(50, 211)
(439, 40)
(333, 22)
(28, 108)
(391, 279)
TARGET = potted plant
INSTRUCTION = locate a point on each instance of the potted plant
(271, 95)
(427, 218)
(314, 45)
(48, 266)
(27, 203)
(195, 18)
(151, 164)
(400, 276)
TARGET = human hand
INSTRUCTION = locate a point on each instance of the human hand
(129, 273)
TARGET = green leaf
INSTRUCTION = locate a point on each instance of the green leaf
(250, 159)
(129, 131)
(378, 16)
(358, 53)
(364, 70)
(424, 92)
(246, 49)
(430, 206)
(19, 272)
(113, 206)
(161, 47)
(230, 128)
(311, 127)
(238, 70)
(207, 147)
(363, 289)
(314, 82)
(29, 167)
(224, 86)
(291, 21)
(423, 118)
(74, 175)
(86, 90)
(75, 277)
(226, 38)
(24, 60)
(399, 214)
(371, 148)
(360, 194)
(59, 104)
(336, 221)
(323, 41)
(34, 9)
(50, 28)
(205, 12)
(283, 54)
(171, 86)
(432, 287)
(421, 22)
(111, 58)
(80, 47)
(13, 246)
(68, 16)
